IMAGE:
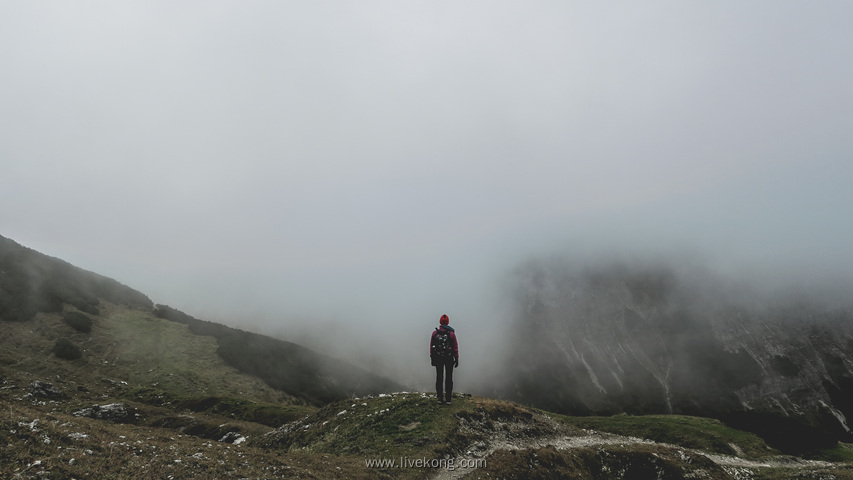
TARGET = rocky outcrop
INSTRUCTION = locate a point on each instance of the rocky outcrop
(115, 412)
(39, 389)
(233, 437)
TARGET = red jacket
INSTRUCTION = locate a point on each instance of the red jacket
(452, 339)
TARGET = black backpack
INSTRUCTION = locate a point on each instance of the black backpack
(442, 345)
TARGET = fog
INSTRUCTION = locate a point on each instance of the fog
(674, 334)
(343, 173)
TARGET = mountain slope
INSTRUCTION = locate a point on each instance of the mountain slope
(102, 318)
(32, 282)
(54, 431)
(130, 346)
(284, 365)
(654, 339)
(155, 393)
(407, 435)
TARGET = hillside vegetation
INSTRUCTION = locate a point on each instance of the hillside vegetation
(284, 365)
(112, 321)
(150, 392)
(31, 282)
(400, 435)
(131, 348)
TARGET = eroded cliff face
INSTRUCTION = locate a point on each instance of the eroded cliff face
(642, 339)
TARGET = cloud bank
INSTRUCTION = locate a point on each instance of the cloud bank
(342, 171)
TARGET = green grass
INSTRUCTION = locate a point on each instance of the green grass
(843, 452)
(690, 432)
(272, 415)
(388, 426)
(403, 425)
(133, 349)
(148, 351)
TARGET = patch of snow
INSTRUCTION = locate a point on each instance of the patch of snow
(233, 438)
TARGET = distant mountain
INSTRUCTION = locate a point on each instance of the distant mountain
(650, 339)
(32, 283)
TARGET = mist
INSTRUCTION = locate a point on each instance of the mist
(619, 334)
(342, 174)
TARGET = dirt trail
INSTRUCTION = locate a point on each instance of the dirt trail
(469, 462)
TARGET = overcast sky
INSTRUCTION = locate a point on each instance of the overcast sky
(372, 165)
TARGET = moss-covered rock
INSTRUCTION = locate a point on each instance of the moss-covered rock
(63, 348)
(80, 321)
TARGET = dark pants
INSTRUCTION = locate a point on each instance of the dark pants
(444, 377)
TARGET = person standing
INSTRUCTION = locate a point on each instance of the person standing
(444, 356)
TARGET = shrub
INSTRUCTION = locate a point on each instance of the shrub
(67, 350)
(80, 322)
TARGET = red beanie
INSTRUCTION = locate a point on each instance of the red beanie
(444, 320)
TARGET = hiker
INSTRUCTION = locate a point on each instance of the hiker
(444, 356)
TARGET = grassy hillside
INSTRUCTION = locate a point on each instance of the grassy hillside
(97, 383)
(122, 327)
(31, 282)
(177, 392)
(402, 435)
(284, 365)
(131, 348)
(185, 407)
